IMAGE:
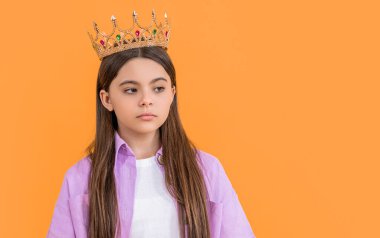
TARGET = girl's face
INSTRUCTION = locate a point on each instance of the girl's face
(141, 86)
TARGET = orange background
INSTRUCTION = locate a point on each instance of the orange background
(284, 93)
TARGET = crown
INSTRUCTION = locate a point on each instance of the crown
(136, 36)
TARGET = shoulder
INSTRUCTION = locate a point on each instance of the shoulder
(76, 176)
(209, 162)
(216, 179)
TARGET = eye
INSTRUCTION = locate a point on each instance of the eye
(129, 89)
(161, 89)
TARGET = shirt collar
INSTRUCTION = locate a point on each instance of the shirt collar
(120, 142)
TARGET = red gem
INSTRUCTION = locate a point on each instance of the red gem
(102, 42)
(166, 33)
(137, 32)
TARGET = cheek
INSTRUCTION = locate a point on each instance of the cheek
(165, 105)
(124, 106)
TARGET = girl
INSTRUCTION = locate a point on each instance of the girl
(142, 176)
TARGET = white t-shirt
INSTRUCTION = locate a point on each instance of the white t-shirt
(154, 210)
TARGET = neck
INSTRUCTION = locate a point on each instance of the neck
(142, 145)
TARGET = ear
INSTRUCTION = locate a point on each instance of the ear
(174, 91)
(106, 100)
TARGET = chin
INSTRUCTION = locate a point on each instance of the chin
(146, 129)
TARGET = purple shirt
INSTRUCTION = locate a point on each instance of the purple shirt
(70, 220)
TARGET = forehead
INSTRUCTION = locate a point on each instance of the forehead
(142, 70)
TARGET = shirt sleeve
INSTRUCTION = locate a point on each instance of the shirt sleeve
(234, 220)
(61, 225)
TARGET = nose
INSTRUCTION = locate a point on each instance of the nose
(146, 100)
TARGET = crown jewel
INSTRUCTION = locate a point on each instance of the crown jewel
(136, 36)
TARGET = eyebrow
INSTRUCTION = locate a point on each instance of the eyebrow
(137, 83)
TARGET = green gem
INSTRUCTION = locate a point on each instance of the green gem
(118, 37)
(154, 31)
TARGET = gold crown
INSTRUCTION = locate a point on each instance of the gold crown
(136, 36)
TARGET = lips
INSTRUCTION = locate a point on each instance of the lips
(146, 114)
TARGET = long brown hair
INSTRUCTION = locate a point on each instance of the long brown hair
(183, 176)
